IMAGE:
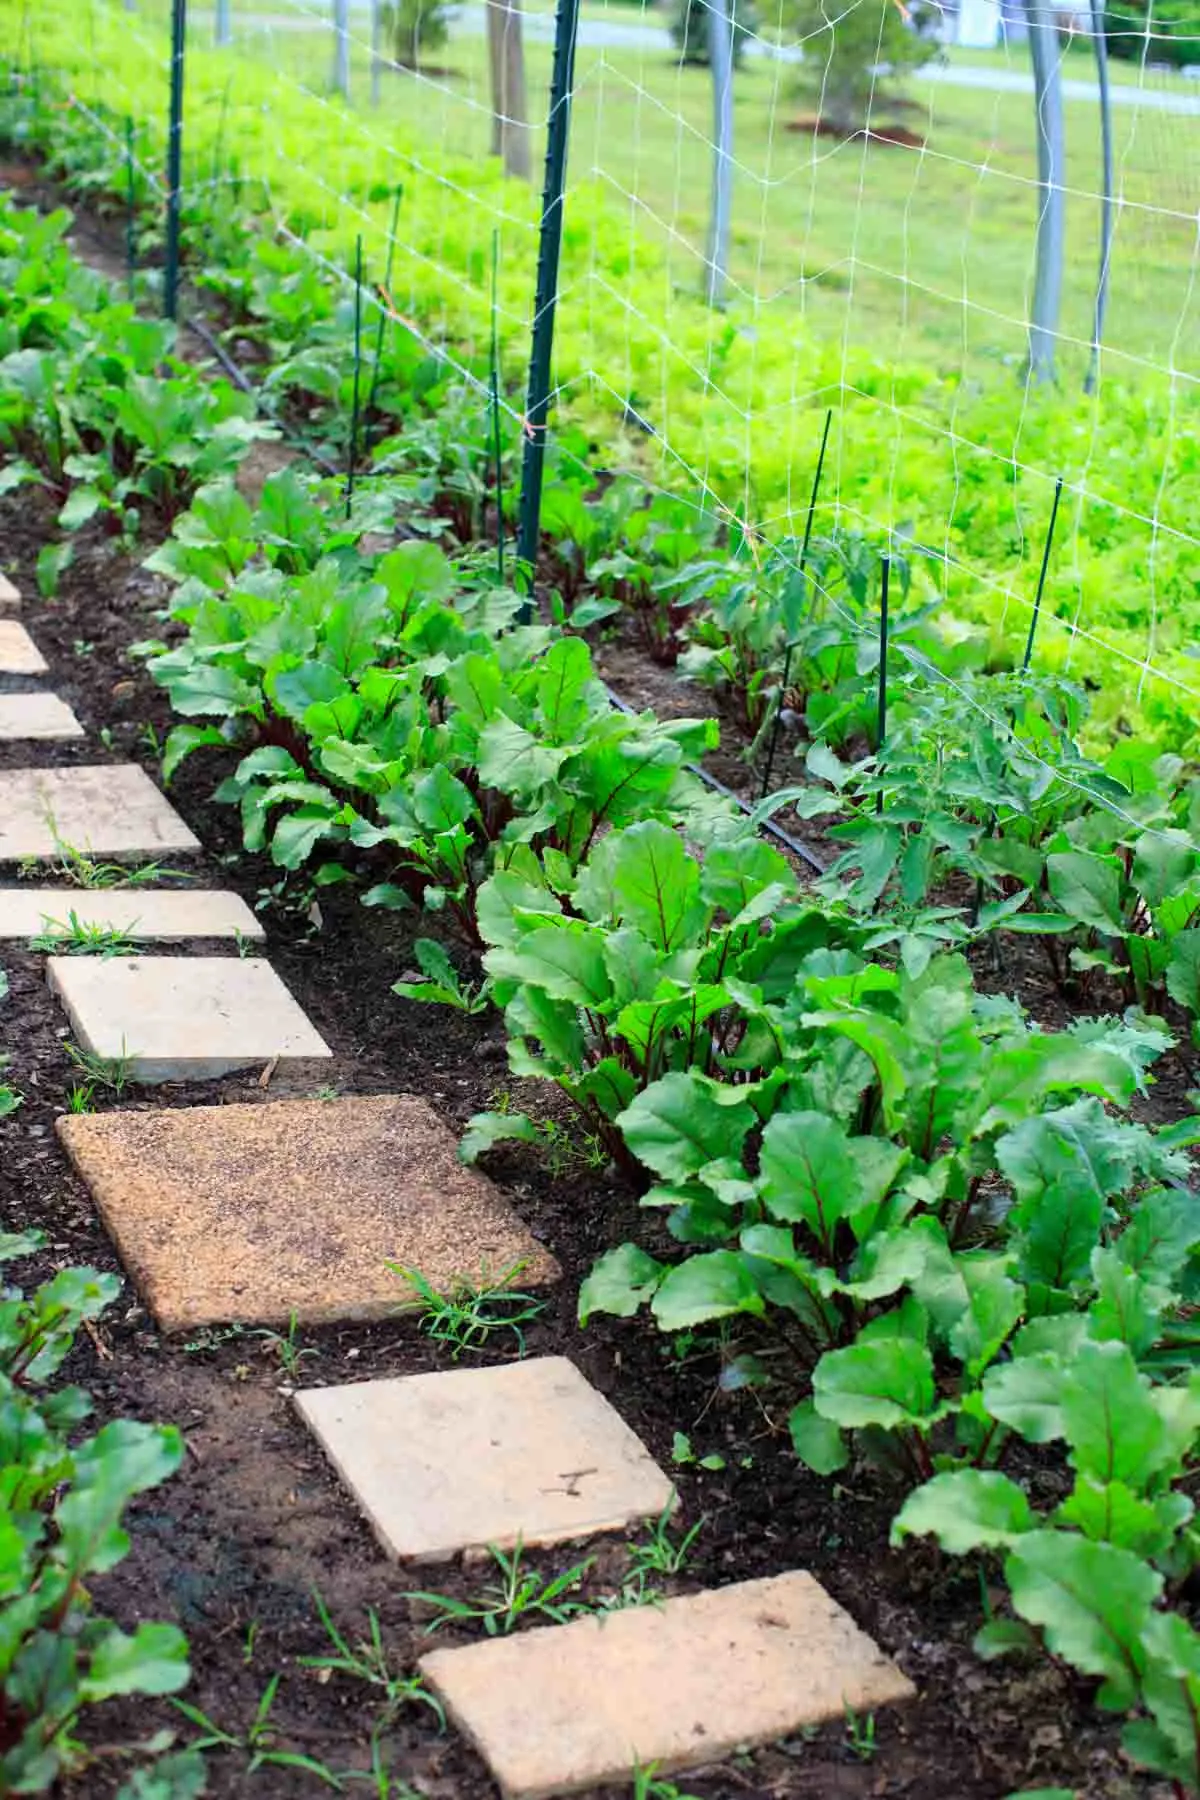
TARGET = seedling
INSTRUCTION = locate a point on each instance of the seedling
(367, 1661)
(501, 1605)
(647, 1786)
(860, 1734)
(113, 1072)
(76, 867)
(260, 1743)
(75, 937)
(471, 1313)
(660, 1552)
(286, 1347)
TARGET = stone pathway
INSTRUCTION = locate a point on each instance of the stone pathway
(19, 655)
(294, 1209)
(183, 1018)
(676, 1685)
(257, 1213)
(548, 1460)
(145, 915)
(36, 716)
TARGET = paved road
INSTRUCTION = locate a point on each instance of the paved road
(618, 34)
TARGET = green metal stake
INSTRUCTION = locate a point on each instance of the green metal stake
(175, 157)
(387, 300)
(787, 654)
(881, 716)
(131, 212)
(496, 452)
(354, 408)
(533, 461)
(1037, 602)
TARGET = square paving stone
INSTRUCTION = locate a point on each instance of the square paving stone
(253, 1212)
(183, 1018)
(143, 913)
(9, 595)
(574, 1706)
(19, 655)
(110, 810)
(36, 716)
(465, 1458)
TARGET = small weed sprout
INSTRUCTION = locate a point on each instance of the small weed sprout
(647, 1786)
(860, 1734)
(367, 1661)
(286, 1346)
(518, 1593)
(74, 937)
(260, 1744)
(112, 1072)
(80, 870)
(472, 1313)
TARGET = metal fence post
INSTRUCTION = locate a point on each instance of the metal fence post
(1100, 47)
(1051, 154)
(537, 403)
(175, 157)
(341, 47)
(720, 56)
(224, 24)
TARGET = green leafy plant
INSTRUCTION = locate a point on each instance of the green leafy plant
(63, 1502)
(517, 1595)
(368, 1661)
(259, 1745)
(77, 937)
(638, 965)
(470, 1314)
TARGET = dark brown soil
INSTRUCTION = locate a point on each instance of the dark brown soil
(897, 135)
(234, 1547)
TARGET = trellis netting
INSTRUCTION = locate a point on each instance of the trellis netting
(892, 225)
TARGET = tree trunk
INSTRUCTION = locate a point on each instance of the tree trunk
(506, 60)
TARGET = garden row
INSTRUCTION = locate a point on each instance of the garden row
(937, 1209)
(970, 473)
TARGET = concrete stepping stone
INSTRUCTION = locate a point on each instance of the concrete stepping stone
(253, 1212)
(19, 655)
(145, 914)
(180, 1018)
(464, 1458)
(36, 716)
(9, 595)
(108, 810)
(580, 1705)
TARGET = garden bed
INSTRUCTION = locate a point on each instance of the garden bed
(235, 1545)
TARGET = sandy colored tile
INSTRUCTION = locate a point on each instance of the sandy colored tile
(464, 1458)
(253, 1212)
(573, 1706)
(110, 810)
(42, 716)
(19, 655)
(9, 595)
(147, 914)
(183, 1018)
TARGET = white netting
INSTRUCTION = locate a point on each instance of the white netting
(882, 261)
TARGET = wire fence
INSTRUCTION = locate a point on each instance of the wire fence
(887, 206)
